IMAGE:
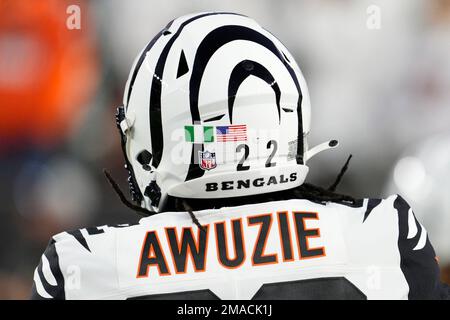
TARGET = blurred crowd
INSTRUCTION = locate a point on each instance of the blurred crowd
(383, 92)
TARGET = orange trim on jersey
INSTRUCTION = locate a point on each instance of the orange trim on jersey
(265, 240)
(150, 257)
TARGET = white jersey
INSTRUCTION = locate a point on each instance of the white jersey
(294, 249)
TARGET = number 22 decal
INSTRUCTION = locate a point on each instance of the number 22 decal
(243, 147)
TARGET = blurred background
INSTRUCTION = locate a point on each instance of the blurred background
(379, 79)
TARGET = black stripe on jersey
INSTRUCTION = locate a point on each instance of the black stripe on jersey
(419, 267)
(80, 238)
(56, 291)
(78, 235)
(155, 94)
(371, 204)
(242, 71)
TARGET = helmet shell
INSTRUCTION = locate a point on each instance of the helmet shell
(218, 108)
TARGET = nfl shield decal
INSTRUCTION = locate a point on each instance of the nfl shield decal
(207, 160)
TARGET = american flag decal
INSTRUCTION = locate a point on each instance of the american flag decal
(231, 133)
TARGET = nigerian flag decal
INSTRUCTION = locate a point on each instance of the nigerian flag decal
(199, 133)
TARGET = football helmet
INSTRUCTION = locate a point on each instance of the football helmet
(215, 106)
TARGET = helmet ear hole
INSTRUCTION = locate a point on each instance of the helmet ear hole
(144, 157)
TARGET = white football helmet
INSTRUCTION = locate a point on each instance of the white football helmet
(214, 107)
